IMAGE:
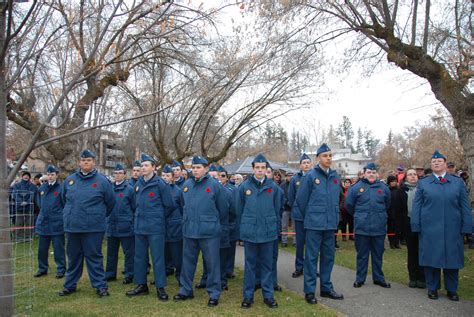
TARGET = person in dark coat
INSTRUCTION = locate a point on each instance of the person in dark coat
(204, 214)
(119, 230)
(154, 203)
(346, 218)
(23, 196)
(441, 215)
(136, 173)
(295, 183)
(393, 220)
(177, 174)
(402, 202)
(174, 224)
(368, 201)
(88, 198)
(258, 205)
(318, 201)
(49, 225)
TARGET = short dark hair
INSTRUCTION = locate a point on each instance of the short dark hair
(266, 164)
(26, 173)
(38, 176)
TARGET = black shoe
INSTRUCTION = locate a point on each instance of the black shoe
(102, 292)
(111, 278)
(246, 304)
(337, 246)
(123, 272)
(66, 292)
(383, 284)
(412, 284)
(278, 288)
(332, 295)
(317, 274)
(39, 274)
(310, 299)
(284, 245)
(182, 297)
(453, 296)
(169, 272)
(296, 274)
(59, 275)
(420, 284)
(212, 302)
(225, 288)
(200, 286)
(152, 282)
(258, 286)
(351, 238)
(270, 302)
(161, 293)
(127, 280)
(397, 246)
(433, 294)
(358, 284)
(230, 275)
(141, 289)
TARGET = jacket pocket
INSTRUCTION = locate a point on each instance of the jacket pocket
(207, 225)
(248, 228)
(360, 222)
(272, 227)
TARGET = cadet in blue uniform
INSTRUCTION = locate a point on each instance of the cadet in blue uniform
(205, 209)
(136, 173)
(49, 225)
(119, 228)
(442, 215)
(174, 233)
(318, 201)
(367, 201)
(233, 225)
(295, 183)
(23, 195)
(154, 204)
(178, 178)
(258, 206)
(88, 198)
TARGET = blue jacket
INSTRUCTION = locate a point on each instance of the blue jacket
(133, 181)
(206, 208)
(87, 200)
(154, 204)
(258, 208)
(174, 221)
(120, 220)
(295, 184)
(318, 199)
(180, 182)
(441, 213)
(234, 227)
(368, 203)
(50, 217)
(23, 195)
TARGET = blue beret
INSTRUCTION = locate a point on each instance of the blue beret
(370, 166)
(269, 166)
(221, 169)
(199, 160)
(259, 159)
(119, 167)
(137, 163)
(176, 164)
(437, 154)
(212, 168)
(146, 157)
(323, 148)
(304, 156)
(52, 169)
(167, 169)
(87, 153)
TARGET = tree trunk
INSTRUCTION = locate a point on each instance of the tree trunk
(7, 307)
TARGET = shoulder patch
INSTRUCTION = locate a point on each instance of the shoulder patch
(137, 188)
(71, 182)
(298, 183)
(361, 190)
(42, 193)
(317, 181)
(185, 189)
(248, 192)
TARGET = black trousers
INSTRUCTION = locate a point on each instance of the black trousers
(392, 229)
(415, 271)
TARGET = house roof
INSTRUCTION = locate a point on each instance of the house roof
(245, 166)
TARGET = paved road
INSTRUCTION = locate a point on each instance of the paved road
(371, 300)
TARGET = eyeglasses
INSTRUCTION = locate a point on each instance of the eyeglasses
(223, 175)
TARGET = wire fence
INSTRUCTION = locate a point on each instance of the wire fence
(17, 252)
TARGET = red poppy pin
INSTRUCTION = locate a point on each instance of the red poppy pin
(151, 194)
(121, 195)
(443, 180)
(336, 181)
(94, 185)
(379, 191)
(208, 190)
(270, 190)
(56, 194)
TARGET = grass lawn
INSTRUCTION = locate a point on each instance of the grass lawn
(44, 301)
(395, 265)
